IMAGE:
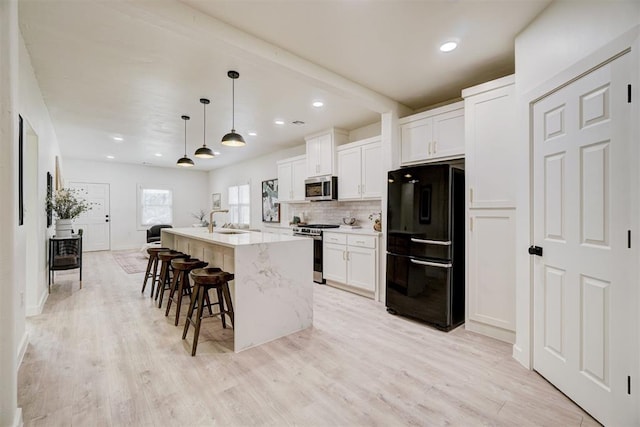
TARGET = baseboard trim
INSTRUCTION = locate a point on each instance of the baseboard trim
(22, 349)
(34, 310)
(17, 421)
(490, 331)
(520, 356)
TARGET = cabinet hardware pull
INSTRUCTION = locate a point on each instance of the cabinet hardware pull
(471, 195)
(431, 264)
(435, 147)
(344, 255)
(470, 224)
(358, 189)
(429, 148)
(431, 242)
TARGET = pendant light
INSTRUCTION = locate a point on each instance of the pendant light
(204, 152)
(233, 139)
(185, 161)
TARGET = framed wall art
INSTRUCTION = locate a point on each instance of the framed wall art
(216, 201)
(270, 203)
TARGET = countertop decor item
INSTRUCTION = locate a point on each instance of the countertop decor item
(185, 161)
(202, 217)
(349, 221)
(376, 217)
(270, 203)
(204, 152)
(233, 139)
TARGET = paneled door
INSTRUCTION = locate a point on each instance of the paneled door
(95, 224)
(585, 338)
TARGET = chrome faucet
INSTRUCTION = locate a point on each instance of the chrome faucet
(211, 217)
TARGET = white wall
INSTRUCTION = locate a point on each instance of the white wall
(251, 172)
(190, 194)
(562, 35)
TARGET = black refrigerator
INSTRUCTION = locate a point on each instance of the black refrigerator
(425, 244)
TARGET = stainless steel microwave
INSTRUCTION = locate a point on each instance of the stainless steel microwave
(321, 188)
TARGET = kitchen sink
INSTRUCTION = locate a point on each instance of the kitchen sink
(230, 231)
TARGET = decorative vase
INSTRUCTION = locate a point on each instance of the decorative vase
(64, 227)
(377, 225)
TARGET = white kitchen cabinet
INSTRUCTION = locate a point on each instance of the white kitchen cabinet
(490, 138)
(351, 260)
(291, 175)
(433, 135)
(359, 170)
(321, 151)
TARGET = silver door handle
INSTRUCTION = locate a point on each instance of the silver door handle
(431, 242)
(431, 264)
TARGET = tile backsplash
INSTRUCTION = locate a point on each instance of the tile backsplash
(330, 212)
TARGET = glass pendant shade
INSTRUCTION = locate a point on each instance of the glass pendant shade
(184, 161)
(233, 139)
(204, 152)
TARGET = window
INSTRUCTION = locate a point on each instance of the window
(239, 204)
(155, 206)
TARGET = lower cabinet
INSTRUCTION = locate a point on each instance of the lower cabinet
(352, 260)
(491, 275)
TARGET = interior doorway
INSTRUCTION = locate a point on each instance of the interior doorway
(585, 211)
(96, 223)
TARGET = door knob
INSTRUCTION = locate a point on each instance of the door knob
(535, 250)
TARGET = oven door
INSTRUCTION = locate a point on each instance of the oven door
(317, 257)
(420, 288)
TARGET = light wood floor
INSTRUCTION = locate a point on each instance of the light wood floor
(104, 355)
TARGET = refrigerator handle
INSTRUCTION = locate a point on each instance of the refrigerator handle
(431, 264)
(431, 242)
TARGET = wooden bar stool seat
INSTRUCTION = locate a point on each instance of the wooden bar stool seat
(152, 268)
(164, 279)
(203, 280)
(180, 285)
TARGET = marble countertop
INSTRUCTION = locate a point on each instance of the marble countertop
(224, 238)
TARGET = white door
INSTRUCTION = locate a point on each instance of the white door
(585, 337)
(95, 224)
(349, 186)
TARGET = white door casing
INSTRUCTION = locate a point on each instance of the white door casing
(583, 303)
(96, 222)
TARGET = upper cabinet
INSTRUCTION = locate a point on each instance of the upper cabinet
(490, 115)
(291, 175)
(321, 151)
(433, 135)
(359, 166)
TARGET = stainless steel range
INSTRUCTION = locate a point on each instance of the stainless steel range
(314, 231)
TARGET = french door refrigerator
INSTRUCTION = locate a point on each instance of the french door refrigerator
(425, 244)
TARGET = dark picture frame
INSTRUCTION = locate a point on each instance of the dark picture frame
(20, 171)
(270, 202)
(49, 196)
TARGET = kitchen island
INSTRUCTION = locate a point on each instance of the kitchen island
(272, 293)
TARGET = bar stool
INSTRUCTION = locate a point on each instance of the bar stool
(205, 279)
(164, 279)
(181, 268)
(152, 264)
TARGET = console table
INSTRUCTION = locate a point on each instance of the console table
(65, 253)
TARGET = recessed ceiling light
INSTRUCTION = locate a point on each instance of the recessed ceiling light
(279, 122)
(297, 122)
(252, 134)
(110, 157)
(158, 154)
(448, 46)
(317, 104)
(118, 138)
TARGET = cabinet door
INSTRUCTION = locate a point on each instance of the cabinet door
(313, 161)
(490, 120)
(334, 262)
(361, 268)
(415, 138)
(284, 182)
(448, 135)
(325, 154)
(372, 178)
(491, 263)
(298, 175)
(349, 186)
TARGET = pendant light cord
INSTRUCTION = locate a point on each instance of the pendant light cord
(204, 128)
(185, 137)
(233, 105)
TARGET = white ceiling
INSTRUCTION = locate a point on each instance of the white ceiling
(131, 69)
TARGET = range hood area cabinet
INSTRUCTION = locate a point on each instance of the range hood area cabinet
(321, 151)
(359, 166)
(491, 135)
(291, 175)
(433, 135)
